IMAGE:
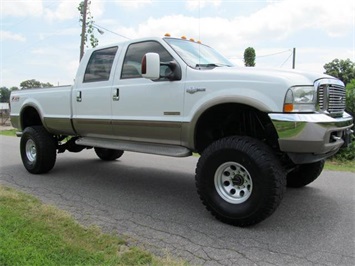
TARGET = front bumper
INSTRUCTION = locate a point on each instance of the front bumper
(309, 138)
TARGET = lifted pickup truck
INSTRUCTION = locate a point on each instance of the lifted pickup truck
(257, 130)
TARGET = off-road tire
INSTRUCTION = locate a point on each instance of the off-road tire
(108, 154)
(38, 150)
(243, 160)
(304, 174)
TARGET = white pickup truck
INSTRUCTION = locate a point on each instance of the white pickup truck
(257, 130)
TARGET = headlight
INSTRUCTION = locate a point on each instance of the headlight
(300, 99)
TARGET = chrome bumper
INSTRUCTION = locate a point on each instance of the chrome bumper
(308, 138)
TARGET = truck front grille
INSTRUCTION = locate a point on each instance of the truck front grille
(331, 98)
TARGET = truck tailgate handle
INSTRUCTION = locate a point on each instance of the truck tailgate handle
(116, 95)
(78, 96)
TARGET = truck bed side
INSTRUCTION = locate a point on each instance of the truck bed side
(48, 106)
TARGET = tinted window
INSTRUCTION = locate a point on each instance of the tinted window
(135, 52)
(100, 64)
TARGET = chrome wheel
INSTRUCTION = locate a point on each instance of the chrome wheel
(31, 151)
(233, 182)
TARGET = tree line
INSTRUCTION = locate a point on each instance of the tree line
(27, 84)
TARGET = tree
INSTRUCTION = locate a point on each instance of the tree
(249, 57)
(87, 21)
(341, 69)
(4, 95)
(32, 83)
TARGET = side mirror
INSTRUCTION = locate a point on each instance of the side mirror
(151, 66)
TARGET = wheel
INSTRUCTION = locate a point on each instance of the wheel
(108, 154)
(240, 181)
(38, 150)
(304, 174)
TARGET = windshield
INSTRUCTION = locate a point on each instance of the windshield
(197, 55)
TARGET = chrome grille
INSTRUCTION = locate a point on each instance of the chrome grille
(331, 98)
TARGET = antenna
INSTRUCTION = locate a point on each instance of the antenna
(199, 31)
(199, 19)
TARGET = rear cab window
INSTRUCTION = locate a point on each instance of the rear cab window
(100, 65)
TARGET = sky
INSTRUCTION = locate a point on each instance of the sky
(40, 39)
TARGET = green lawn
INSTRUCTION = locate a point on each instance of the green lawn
(333, 165)
(8, 132)
(32, 233)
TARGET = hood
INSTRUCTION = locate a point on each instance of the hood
(287, 78)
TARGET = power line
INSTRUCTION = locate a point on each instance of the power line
(26, 18)
(260, 56)
(288, 50)
(105, 29)
(286, 59)
(34, 44)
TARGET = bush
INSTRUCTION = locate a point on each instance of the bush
(350, 97)
(346, 154)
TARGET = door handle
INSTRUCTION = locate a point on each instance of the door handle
(78, 96)
(116, 95)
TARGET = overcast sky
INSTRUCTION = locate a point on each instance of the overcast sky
(40, 39)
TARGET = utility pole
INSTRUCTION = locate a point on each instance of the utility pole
(83, 29)
(294, 58)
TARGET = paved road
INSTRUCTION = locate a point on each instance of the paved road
(152, 200)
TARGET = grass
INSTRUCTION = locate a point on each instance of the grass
(335, 165)
(32, 233)
(8, 132)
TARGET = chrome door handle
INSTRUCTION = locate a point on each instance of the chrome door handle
(116, 95)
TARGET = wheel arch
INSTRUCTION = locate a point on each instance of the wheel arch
(232, 118)
(30, 116)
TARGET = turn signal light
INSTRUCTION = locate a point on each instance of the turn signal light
(288, 107)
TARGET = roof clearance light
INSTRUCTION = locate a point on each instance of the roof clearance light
(192, 40)
(183, 37)
(199, 42)
(167, 35)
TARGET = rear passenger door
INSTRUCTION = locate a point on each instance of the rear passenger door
(92, 97)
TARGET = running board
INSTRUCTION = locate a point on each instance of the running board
(150, 148)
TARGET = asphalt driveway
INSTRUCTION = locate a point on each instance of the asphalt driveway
(152, 201)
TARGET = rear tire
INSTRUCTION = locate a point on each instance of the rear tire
(240, 181)
(108, 154)
(304, 174)
(38, 150)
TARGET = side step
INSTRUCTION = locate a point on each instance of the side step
(150, 148)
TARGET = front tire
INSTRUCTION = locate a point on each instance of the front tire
(304, 174)
(108, 154)
(38, 150)
(240, 181)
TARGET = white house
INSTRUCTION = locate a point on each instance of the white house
(4, 107)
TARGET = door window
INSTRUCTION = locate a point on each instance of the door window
(133, 59)
(100, 64)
